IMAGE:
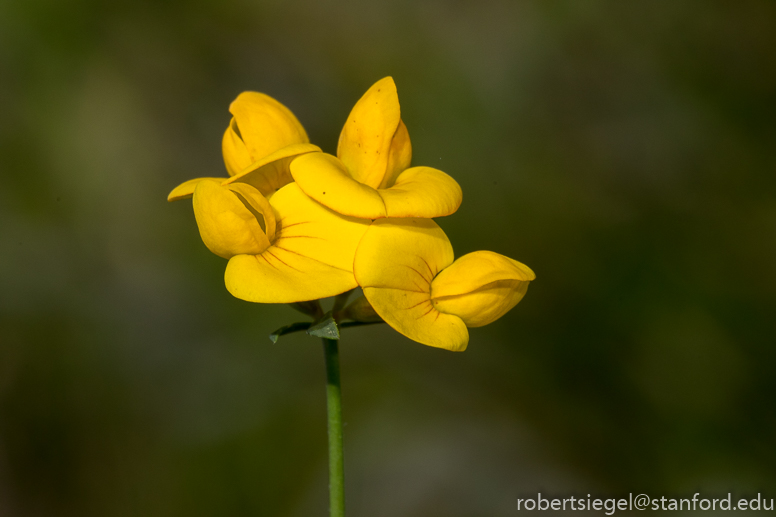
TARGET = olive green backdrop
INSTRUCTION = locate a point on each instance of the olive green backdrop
(626, 151)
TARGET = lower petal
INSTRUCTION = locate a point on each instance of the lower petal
(480, 287)
(311, 257)
(395, 264)
(402, 254)
(486, 305)
(280, 276)
(422, 192)
(412, 314)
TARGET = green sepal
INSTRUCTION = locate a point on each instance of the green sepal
(311, 308)
(325, 327)
(294, 327)
(340, 301)
(360, 310)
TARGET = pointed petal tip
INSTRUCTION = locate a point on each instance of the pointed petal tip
(173, 197)
(366, 137)
(386, 81)
(186, 189)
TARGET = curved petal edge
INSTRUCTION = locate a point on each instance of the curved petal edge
(422, 192)
(325, 179)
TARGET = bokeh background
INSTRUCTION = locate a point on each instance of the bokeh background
(626, 151)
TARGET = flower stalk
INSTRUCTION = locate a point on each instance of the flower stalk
(334, 411)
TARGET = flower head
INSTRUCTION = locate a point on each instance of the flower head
(371, 175)
(296, 224)
(407, 272)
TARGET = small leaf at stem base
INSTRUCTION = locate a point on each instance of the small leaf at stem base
(325, 327)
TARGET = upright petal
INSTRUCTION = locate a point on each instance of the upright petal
(311, 257)
(236, 155)
(227, 227)
(399, 157)
(264, 124)
(480, 287)
(395, 264)
(365, 140)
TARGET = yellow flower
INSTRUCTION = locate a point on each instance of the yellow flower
(283, 250)
(263, 137)
(407, 272)
(370, 178)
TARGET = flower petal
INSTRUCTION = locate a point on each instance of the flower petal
(257, 204)
(324, 178)
(365, 140)
(272, 172)
(422, 192)
(186, 189)
(413, 315)
(481, 287)
(227, 227)
(264, 124)
(400, 155)
(277, 276)
(307, 228)
(236, 156)
(402, 254)
(395, 264)
(311, 257)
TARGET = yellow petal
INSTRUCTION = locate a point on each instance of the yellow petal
(227, 227)
(324, 178)
(265, 125)
(422, 192)
(307, 228)
(400, 155)
(365, 140)
(480, 287)
(395, 264)
(258, 205)
(402, 254)
(186, 189)
(413, 315)
(311, 257)
(272, 172)
(236, 156)
(276, 276)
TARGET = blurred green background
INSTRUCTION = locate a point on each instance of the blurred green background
(626, 151)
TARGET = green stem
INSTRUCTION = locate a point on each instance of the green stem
(334, 409)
